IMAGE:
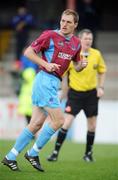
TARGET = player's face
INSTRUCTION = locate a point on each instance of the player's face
(86, 41)
(67, 24)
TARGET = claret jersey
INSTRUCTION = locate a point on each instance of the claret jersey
(58, 49)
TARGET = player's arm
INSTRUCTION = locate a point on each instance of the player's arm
(37, 46)
(64, 87)
(101, 79)
(102, 69)
(30, 53)
(100, 89)
(80, 65)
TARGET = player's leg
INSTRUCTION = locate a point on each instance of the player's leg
(49, 128)
(61, 137)
(24, 138)
(47, 98)
(71, 110)
(90, 139)
(91, 112)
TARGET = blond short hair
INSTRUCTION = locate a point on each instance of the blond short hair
(73, 13)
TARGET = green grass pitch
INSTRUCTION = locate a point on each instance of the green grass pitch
(70, 165)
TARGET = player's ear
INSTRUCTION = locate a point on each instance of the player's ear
(76, 24)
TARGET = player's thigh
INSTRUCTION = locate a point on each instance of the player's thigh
(74, 103)
(91, 123)
(68, 120)
(45, 90)
(91, 104)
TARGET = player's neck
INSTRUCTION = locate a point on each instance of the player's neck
(65, 35)
(85, 49)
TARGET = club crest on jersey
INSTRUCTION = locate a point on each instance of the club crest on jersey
(51, 100)
(61, 43)
(95, 66)
(73, 47)
(64, 56)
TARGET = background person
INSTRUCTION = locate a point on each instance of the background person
(85, 89)
(28, 73)
(22, 23)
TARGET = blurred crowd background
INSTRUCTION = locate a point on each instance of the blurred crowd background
(99, 16)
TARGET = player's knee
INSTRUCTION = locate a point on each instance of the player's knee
(92, 124)
(36, 125)
(92, 127)
(60, 122)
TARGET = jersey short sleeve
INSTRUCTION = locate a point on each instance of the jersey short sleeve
(102, 66)
(42, 42)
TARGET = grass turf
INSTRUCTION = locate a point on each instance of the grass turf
(70, 165)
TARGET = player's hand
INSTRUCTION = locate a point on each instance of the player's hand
(81, 65)
(51, 67)
(100, 92)
(84, 63)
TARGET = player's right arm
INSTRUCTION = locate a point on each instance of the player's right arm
(41, 44)
(30, 53)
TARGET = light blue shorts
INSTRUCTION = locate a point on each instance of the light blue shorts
(45, 90)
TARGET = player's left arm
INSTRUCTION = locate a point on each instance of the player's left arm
(101, 75)
(101, 80)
